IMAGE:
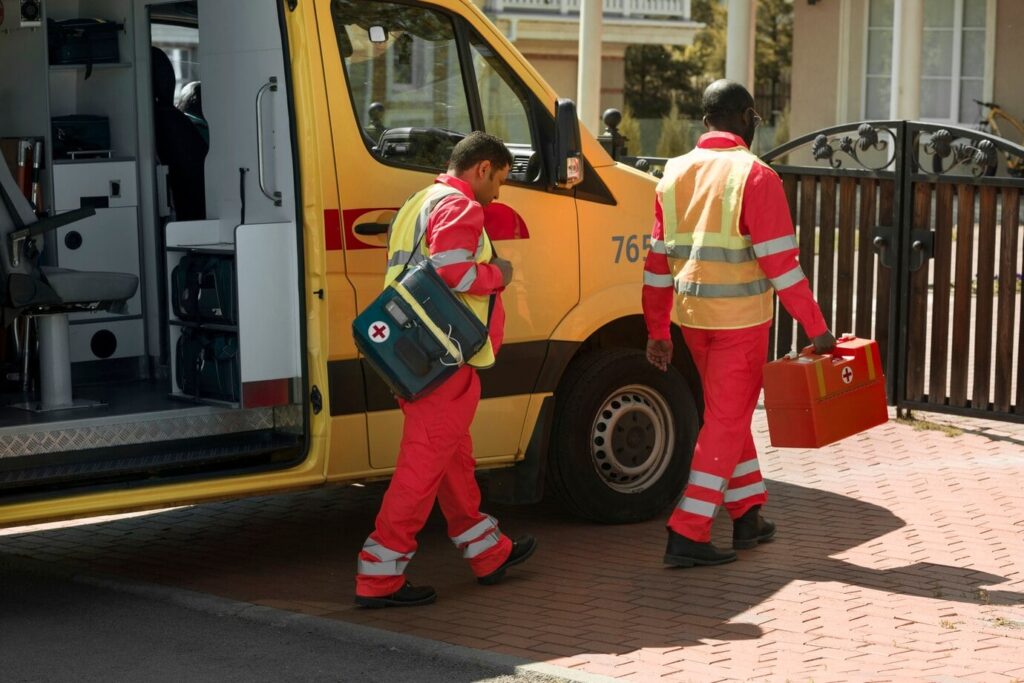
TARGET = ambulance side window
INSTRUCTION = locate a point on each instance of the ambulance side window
(505, 106)
(503, 100)
(405, 78)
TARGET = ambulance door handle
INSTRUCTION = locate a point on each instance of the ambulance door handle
(270, 85)
(371, 228)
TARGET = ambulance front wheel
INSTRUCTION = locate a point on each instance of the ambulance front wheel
(623, 437)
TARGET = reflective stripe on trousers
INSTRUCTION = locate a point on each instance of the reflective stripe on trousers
(480, 538)
(388, 562)
(724, 468)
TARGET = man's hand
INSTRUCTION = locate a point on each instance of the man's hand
(824, 343)
(506, 269)
(659, 353)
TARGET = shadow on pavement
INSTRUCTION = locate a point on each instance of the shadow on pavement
(597, 588)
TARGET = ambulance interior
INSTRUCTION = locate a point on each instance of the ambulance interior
(152, 282)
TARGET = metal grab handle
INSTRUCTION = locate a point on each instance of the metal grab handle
(881, 241)
(922, 244)
(270, 85)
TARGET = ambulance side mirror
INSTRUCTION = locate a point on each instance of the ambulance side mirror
(568, 148)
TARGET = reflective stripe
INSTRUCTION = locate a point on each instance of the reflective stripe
(701, 508)
(708, 481)
(744, 492)
(447, 258)
(400, 258)
(467, 280)
(746, 467)
(481, 546)
(392, 562)
(723, 291)
(476, 531)
(708, 239)
(383, 553)
(775, 246)
(788, 279)
(658, 247)
(392, 568)
(657, 280)
(716, 254)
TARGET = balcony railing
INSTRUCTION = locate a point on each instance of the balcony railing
(674, 9)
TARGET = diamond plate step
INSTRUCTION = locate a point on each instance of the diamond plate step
(153, 427)
(132, 462)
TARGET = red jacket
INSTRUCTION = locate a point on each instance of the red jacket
(764, 216)
(457, 222)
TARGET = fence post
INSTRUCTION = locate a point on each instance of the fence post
(612, 140)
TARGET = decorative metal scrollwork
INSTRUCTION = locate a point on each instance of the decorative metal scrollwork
(868, 137)
(981, 157)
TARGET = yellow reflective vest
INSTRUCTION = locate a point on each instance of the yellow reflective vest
(407, 245)
(715, 271)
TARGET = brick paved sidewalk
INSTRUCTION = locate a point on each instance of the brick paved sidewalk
(899, 557)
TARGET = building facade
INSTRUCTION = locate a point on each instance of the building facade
(844, 53)
(547, 33)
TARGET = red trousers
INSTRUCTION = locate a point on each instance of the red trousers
(724, 467)
(435, 461)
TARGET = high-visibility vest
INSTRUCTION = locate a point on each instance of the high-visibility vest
(405, 234)
(715, 272)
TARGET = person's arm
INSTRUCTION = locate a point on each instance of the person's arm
(658, 290)
(658, 294)
(453, 234)
(767, 221)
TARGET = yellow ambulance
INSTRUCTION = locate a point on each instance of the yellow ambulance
(215, 179)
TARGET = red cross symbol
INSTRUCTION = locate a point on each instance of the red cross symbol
(379, 332)
(847, 374)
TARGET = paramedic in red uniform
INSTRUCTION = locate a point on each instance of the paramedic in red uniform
(436, 456)
(722, 242)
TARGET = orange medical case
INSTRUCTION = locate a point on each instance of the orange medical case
(814, 400)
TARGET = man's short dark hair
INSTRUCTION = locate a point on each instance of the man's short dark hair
(725, 99)
(476, 147)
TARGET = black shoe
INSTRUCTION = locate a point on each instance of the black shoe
(682, 552)
(751, 529)
(522, 548)
(406, 596)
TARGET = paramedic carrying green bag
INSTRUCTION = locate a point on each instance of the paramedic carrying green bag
(419, 332)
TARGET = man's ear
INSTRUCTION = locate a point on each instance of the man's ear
(706, 124)
(483, 170)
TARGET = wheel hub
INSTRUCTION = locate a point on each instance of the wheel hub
(633, 438)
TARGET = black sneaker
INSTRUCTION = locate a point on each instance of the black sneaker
(406, 596)
(682, 552)
(522, 548)
(751, 529)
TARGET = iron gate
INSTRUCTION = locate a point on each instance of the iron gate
(910, 235)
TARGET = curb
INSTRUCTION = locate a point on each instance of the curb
(279, 618)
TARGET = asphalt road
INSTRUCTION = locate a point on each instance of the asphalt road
(58, 628)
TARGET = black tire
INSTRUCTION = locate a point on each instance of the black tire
(621, 479)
